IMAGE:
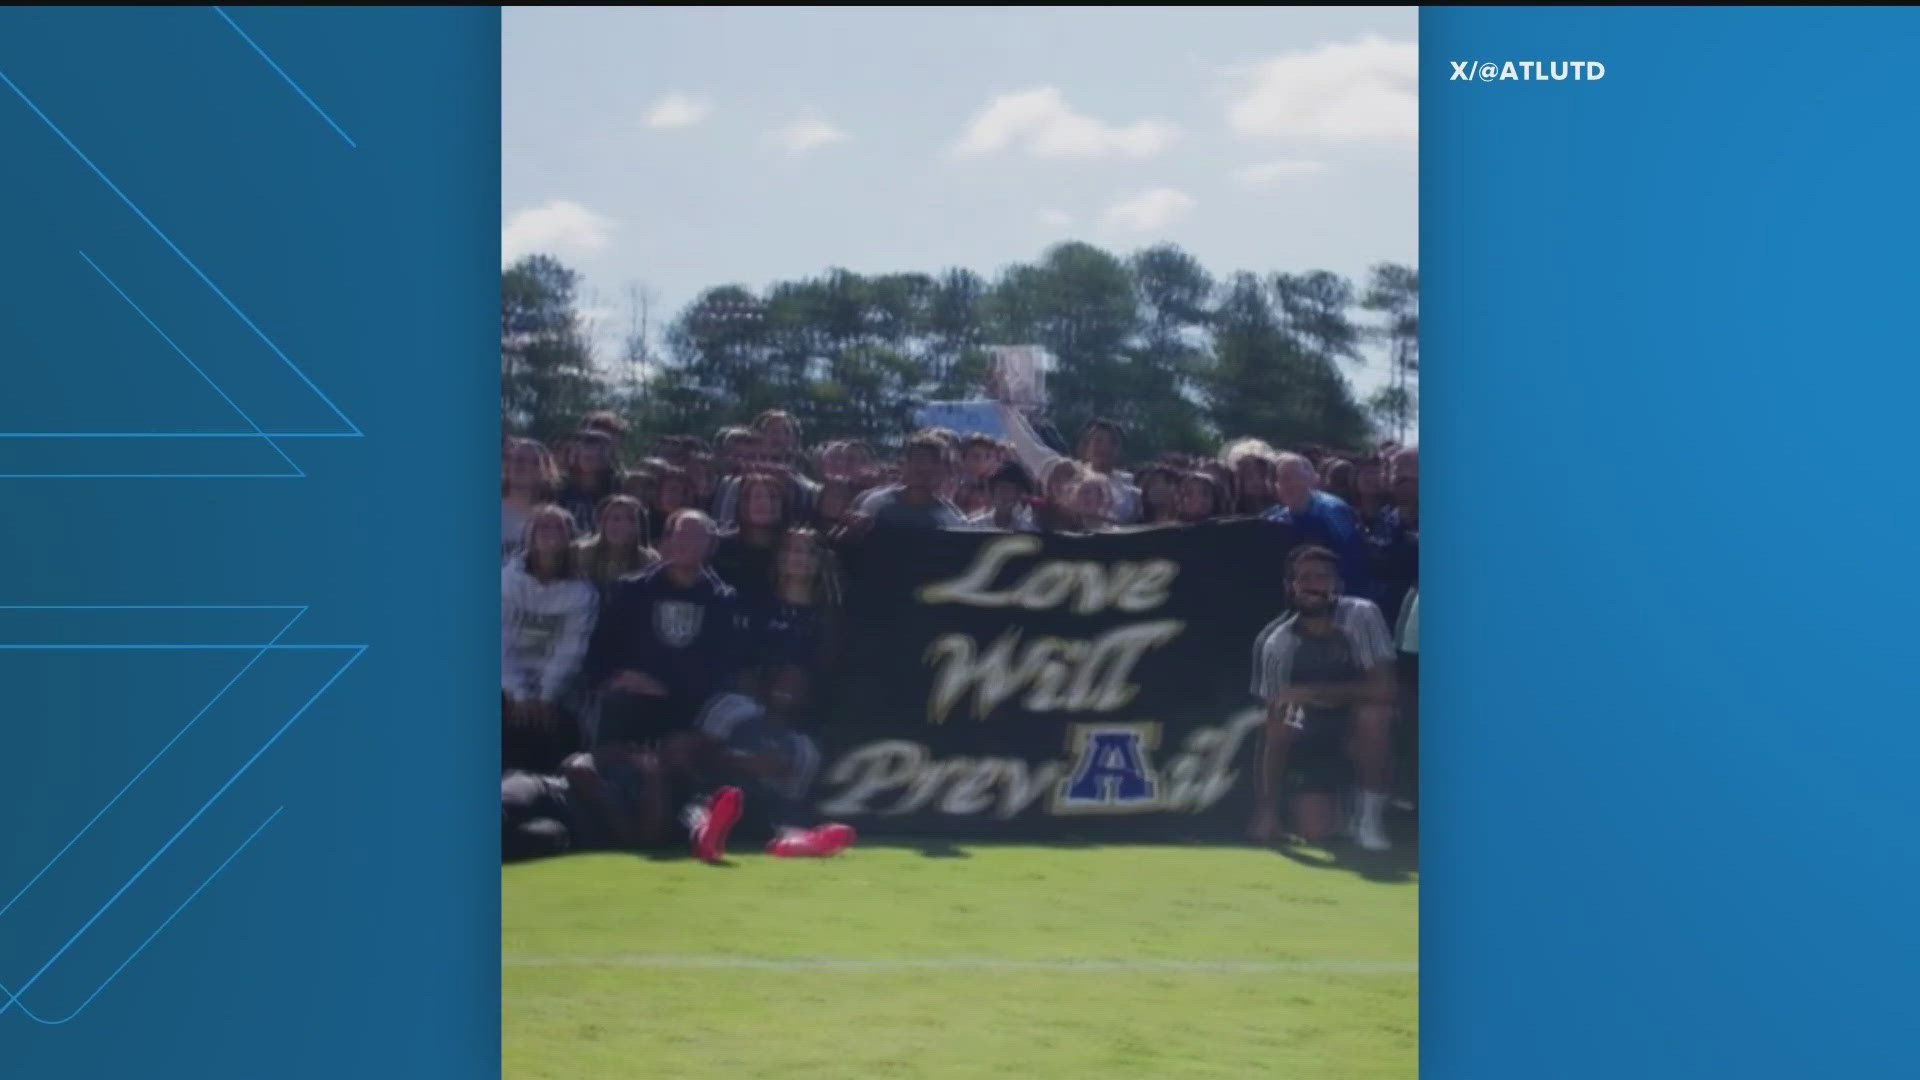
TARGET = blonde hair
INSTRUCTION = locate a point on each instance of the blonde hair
(1233, 452)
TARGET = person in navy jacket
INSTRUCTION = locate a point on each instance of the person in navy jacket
(668, 639)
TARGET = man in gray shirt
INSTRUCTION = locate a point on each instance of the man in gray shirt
(915, 503)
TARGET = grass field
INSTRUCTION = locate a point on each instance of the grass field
(943, 962)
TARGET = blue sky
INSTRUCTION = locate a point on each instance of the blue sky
(675, 149)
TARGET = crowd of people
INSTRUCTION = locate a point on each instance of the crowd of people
(664, 625)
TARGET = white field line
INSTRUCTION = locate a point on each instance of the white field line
(971, 963)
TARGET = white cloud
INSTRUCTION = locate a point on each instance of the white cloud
(1269, 173)
(1041, 122)
(1149, 210)
(679, 109)
(803, 136)
(561, 226)
(1365, 89)
(1055, 219)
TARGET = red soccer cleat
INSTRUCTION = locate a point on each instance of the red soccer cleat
(710, 835)
(821, 843)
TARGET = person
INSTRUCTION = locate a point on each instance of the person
(1252, 465)
(1395, 539)
(980, 456)
(672, 493)
(668, 639)
(593, 474)
(1093, 504)
(1100, 443)
(528, 478)
(1321, 519)
(1326, 674)
(1009, 501)
(1057, 512)
(618, 546)
(610, 799)
(757, 747)
(1159, 494)
(914, 503)
(1341, 482)
(547, 612)
(745, 556)
(798, 625)
(1200, 498)
(1407, 742)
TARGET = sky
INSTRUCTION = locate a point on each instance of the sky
(671, 150)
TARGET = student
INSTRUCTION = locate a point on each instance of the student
(528, 478)
(618, 546)
(592, 474)
(915, 502)
(745, 557)
(614, 798)
(1009, 501)
(669, 639)
(546, 616)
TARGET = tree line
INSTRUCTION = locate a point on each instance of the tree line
(1183, 359)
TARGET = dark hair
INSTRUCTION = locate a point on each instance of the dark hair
(1101, 424)
(1311, 553)
(928, 443)
(768, 480)
(1013, 473)
(979, 439)
(1216, 492)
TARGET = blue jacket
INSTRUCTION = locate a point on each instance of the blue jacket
(1330, 523)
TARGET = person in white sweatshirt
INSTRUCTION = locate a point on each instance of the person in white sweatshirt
(547, 610)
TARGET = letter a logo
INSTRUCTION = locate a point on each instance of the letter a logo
(1112, 770)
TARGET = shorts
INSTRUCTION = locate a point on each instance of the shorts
(1318, 762)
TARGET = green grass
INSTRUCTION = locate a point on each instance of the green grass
(600, 977)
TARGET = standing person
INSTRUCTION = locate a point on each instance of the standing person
(915, 502)
(1396, 538)
(671, 494)
(528, 479)
(1100, 444)
(980, 456)
(593, 475)
(1009, 501)
(1322, 520)
(546, 614)
(1200, 498)
(1252, 463)
(1341, 480)
(1159, 494)
(1057, 512)
(1093, 504)
(618, 546)
(745, 557)
(1326, 674)
(669, 638)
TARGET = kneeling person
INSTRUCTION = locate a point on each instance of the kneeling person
(1326, 674)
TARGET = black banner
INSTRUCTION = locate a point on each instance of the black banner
(1052, 686)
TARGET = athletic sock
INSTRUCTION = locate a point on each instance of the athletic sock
(1372, 804)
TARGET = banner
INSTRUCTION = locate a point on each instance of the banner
(1052, 686)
